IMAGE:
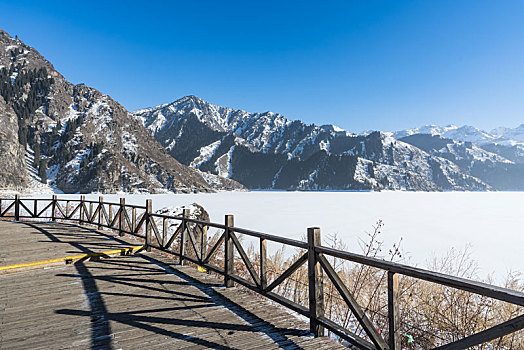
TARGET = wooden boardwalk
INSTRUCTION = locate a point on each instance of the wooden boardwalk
(126, 302)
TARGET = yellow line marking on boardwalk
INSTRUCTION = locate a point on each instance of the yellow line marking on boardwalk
(122, 251)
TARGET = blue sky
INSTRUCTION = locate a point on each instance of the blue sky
(358, 64)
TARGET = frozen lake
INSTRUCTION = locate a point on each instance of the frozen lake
(430, 224)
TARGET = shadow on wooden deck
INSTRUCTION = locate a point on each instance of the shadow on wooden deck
(144, 300)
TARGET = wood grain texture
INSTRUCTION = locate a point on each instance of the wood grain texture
(133, 301)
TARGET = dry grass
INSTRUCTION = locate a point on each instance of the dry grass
(432, 314)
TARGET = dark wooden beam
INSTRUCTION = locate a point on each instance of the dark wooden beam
(486, 335)
(299, 262)
(315, 282)
(246, 260)
(393, 311)
(353, 305)
(229, 258)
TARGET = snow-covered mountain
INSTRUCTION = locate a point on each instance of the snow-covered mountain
(84, 140)
(464, 133)
(489, 166)
(501, 136)
(267, 150)
(509, 136)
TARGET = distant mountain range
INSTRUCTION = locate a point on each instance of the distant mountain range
(268, 151)
(84, 141)
(501, 136)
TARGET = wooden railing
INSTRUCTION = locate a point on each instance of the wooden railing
(191, 237)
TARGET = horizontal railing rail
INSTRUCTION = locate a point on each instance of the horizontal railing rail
(186, 238)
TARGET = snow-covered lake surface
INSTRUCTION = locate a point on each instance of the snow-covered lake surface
(430, 224)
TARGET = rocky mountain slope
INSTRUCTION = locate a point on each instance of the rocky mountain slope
(268, 151)
(506, 142)
(498, 171)
(12, 170)
(85, 140)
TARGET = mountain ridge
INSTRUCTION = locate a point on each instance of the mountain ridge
(85, 140)
(278, 151)
(467, 133)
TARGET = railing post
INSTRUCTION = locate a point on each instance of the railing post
(35, 208)
(315, 282)
(90, 217)
(203, 242)
(82, 199)
(100, 207)
(121, 217)
(110, 216)
(133, 220)
(149, 209)
(263, 263)
(17, 207)
(165, 225)
(183, 237)
(67, 209)
(53, 209)
(393, 312)
(229, 257)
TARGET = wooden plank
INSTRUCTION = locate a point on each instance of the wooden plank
(173, 237)
(99, 209)
(43, 210)
(245, 259)
(164, 232)
(17, 207)
(155, 229)
(393, 312)
(351, 337)
(273, 238)
(214, 249)
(8, 208)
(148, 219)
(141, 219)
(183, 238)
(53, 208)
(27, 209)
(60, 209)
(77, 208)
(132, 227)
(141, 308)
(263, 263)
(299, 262)
(192, 239)
(121, 217)
(115, 218)
(315, 283)
(495, 332)
(229, 256)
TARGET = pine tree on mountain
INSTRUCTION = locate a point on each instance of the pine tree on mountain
(22, 134)
(36, 161)
(42, 171)
(58, 126)
(85, 162)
